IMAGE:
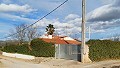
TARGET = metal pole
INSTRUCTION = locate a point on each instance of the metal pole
(83, 32)
(55, 51)
(119, 38)
(89, 33)
(59, 51)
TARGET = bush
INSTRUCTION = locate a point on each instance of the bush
(23, 49)
(39, 49)
(0, 47)
(10, 49)
(103, 50)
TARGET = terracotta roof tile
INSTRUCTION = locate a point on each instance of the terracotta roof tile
(73, 42)
(55, 41)
(60, 40)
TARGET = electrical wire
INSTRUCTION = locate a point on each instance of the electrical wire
(37, 20)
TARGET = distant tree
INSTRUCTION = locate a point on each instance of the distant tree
(50, 29)
(31, 34)
(20, 33)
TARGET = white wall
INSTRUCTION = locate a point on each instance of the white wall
(18, 55)
(8, 54)
(68, 38)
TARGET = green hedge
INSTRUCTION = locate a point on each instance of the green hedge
(23, 49)
(39, 49)
(103, 50)
(10, 49)
(0, 47)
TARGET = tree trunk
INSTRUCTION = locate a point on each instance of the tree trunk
(29, 46)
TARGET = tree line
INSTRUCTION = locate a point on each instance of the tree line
(30, 33)
(24, 35)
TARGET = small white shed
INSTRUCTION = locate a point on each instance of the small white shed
(65, 47)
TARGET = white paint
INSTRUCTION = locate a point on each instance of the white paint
(8, 54)
(68, 38)
(46, 36)
(18, 55)
(50, 36)
(24, 56)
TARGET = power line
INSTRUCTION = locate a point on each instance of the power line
(37, 20)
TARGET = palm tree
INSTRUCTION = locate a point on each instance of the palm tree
(50, 29)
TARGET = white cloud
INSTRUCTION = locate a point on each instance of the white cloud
(70, 26)
(105, 17)
(41, 4)
(105, 24)
(4, 26)
(62, 27)
(15, 18)
(15, 8)
(105, 13)
(71, 16)
(6, 1)
(98, 31)
(45, 6)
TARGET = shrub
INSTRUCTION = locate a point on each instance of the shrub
(39, 49)
(0, 47)
(23, 49)
(10, 49)
(103, 50)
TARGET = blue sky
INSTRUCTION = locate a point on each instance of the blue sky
(103, 16)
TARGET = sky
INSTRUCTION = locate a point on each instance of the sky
(102, 16)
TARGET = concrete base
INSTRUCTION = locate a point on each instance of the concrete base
(86, 56)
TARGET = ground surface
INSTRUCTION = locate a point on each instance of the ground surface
(7, 62)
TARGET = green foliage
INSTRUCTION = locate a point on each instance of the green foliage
(22, 49)
(39, 49)
(50, 29)
(0, 47)
(103, 50)
(10, 49)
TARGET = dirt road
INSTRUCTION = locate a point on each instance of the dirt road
(7, 62)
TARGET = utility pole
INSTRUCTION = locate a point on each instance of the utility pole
(83, 53)
(89, 32)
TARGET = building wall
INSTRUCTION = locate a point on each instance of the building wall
(70, 52)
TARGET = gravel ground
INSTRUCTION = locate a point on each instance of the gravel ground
(41, 62)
